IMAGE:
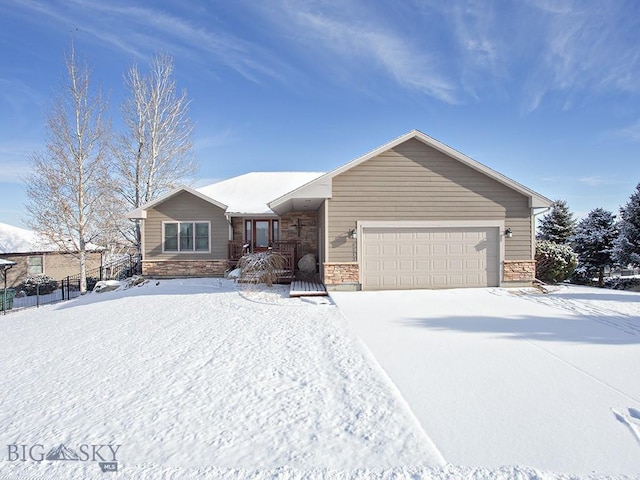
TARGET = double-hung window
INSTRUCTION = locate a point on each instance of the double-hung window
(186, 237)
(36, 265)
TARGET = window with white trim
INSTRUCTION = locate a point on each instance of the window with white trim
(36, 265)
(186, 237)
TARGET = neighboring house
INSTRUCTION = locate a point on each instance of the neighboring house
(35, 256)
(413, 213)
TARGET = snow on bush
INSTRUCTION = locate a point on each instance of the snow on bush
(38, 284)
(621, 283)
(554, 262)
(261, 267)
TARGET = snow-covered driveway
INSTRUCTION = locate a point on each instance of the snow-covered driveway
(196, 375)
(504, 377)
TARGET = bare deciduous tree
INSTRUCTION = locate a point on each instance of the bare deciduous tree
(154, 154)
(68, 183)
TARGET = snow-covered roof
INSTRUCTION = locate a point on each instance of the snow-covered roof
(20, 240)
(5, 263)
(250, 193)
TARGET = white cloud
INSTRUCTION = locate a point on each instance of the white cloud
(630, 132)
(353, 39)
(584, 46)
(140, 31)
(598, 180)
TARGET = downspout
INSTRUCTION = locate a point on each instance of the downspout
(533, 229)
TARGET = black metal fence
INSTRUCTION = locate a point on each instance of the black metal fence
(69, 287)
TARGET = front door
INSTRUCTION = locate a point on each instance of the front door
(261, 234)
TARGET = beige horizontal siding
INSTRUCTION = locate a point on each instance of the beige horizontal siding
(185, 207)
(416, 182)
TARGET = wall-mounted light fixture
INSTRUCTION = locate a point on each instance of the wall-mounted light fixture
(353, 233)
(508, 233)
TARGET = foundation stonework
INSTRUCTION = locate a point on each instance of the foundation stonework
(519, 271)
(184, 268)
(341, 274)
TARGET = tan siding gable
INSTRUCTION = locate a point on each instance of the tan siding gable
(416, 182)
(185, 207)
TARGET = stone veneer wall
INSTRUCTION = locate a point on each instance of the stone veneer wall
(308, 238)
(520, 271)
(337, 274)
(308, 230)
(184, 268)
(237, 224)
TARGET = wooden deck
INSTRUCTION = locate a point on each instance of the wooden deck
(306, 288)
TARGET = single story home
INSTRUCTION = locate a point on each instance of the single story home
(33, 255)
(413, 213)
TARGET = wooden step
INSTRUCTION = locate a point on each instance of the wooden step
(304, 288)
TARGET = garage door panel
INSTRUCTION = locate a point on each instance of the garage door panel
(439, 280)
(473, 279)
(421, 257)
(473, 264)
(422, 265)
(407, 281)
(372, 251)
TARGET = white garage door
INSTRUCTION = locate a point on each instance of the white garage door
(420, 257)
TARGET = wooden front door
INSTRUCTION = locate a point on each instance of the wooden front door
(261, 233)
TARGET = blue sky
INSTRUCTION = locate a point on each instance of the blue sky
(546, 92)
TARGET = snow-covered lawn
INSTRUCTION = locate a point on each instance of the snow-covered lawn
(513, 377)
(199, 377)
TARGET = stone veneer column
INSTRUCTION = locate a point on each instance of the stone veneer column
(345, 275)
(519, 271)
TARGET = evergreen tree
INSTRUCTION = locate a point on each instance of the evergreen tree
(593, 242)
(627, 246)
(558, 225)
(555, 262)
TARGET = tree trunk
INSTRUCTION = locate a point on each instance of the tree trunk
(83, 267)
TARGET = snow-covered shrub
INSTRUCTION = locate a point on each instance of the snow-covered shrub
(91, 283)
(135, 280)
(41, 284)
(621, 283)
(554, 262)
(582, 276)
(261, 267)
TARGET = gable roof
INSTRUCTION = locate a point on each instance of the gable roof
(250, 193)
(141, 212)
(275, 193)
(311, 189)
(246, 194)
